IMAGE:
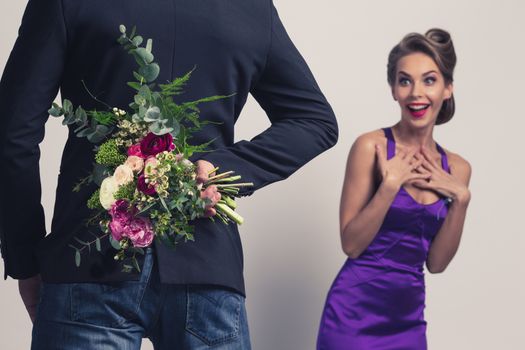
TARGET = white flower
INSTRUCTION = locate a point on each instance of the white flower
(123, 174)
(187, 163)
(107, 190)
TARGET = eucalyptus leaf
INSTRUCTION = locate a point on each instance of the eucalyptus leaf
(174, 125)
(134, 85)
(149, 45)
(85, 132)
(80, 127)
(150, 72)
(137, 40)
(145, 92)
(67, 106)
(81, 115)
(140, 100)
(100, 172)
(152, 114)
(135, 263)
(99, 134)
(97, 244)
(155, 128)
(143, 56)
(56, 110)
(135, 118)
(139, 77)
(142, 112)
(114, 243)
(77, 258)
(69, 118)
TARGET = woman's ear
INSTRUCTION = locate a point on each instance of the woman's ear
(449, 89)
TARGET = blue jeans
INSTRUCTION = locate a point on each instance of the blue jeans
(95, 316)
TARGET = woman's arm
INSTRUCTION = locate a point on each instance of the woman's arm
(363, 208)
(454, 185)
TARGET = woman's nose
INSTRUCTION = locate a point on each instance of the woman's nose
(417, 89)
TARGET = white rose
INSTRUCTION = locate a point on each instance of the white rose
(187, 163)
(123, 174)
(107, 190)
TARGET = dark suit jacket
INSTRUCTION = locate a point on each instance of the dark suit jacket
(238, 46)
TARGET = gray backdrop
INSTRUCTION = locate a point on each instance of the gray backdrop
(291, 237)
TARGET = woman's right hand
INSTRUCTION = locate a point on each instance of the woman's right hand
(399, 169)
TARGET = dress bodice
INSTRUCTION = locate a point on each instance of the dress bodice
(409, 227)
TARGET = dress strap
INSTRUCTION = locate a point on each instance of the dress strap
(390, 143)
(444, 159)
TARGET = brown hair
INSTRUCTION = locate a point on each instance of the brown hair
(437, 44)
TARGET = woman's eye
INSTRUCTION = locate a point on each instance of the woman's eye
(404, 81)
(430, 80)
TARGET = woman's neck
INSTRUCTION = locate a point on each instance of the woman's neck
(412, 137)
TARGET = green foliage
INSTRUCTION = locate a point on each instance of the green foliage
(126, 191)
(94, 201)
(109, 154)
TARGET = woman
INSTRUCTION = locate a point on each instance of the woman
(403, 204)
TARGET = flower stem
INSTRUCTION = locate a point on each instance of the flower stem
(223, 208)
(218, 176)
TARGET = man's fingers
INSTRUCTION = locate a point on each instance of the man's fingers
(209, 212)
(202, 175)
(203, 170)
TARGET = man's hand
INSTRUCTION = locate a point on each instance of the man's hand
(203, 172)
(30, 292)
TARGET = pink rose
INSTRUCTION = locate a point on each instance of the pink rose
(136, 163)
(121, 216)
(124, 224)
(134, 150)
(117, 227)
(153, 144)
(123, 174)
(140, 231)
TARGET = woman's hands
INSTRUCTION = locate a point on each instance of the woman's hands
(439, 180)
(401, 168)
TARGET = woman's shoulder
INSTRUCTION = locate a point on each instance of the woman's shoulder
(369, 139)
(458, 165)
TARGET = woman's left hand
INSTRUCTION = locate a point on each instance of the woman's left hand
(439, 181)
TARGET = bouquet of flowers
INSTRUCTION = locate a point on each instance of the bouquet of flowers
(147, 187)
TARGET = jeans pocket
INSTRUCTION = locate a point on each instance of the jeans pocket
(213, 314)
(105, 304)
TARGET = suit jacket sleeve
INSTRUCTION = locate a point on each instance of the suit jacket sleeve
(302, 122)
(29, 84)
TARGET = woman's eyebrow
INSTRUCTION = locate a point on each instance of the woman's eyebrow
(408, 75)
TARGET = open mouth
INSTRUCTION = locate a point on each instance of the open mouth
(418, 110)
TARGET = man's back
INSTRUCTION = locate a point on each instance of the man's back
(237, 46)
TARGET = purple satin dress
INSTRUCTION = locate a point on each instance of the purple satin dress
(377, 300)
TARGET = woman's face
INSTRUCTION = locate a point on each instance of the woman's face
(420, 89)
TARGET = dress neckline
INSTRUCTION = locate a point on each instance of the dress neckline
(391, 151)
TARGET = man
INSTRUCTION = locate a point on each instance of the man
(191, 298)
